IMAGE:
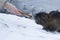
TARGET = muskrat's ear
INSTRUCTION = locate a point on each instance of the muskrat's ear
(50, 18)
(47, 16)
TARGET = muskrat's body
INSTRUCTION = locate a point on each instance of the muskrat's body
(50, 22)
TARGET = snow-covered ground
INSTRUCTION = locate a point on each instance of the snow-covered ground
(19, 28)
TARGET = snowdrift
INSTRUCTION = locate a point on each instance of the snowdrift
(19, 28)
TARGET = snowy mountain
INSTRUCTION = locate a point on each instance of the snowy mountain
(19, 28)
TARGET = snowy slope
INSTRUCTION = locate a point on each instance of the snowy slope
(20, 28)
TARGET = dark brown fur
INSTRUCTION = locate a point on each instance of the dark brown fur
(50, 22)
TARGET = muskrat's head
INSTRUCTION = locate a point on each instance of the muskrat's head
(41, 18)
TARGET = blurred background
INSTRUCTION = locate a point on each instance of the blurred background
(34, 6)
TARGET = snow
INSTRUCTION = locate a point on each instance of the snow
(19, 28)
